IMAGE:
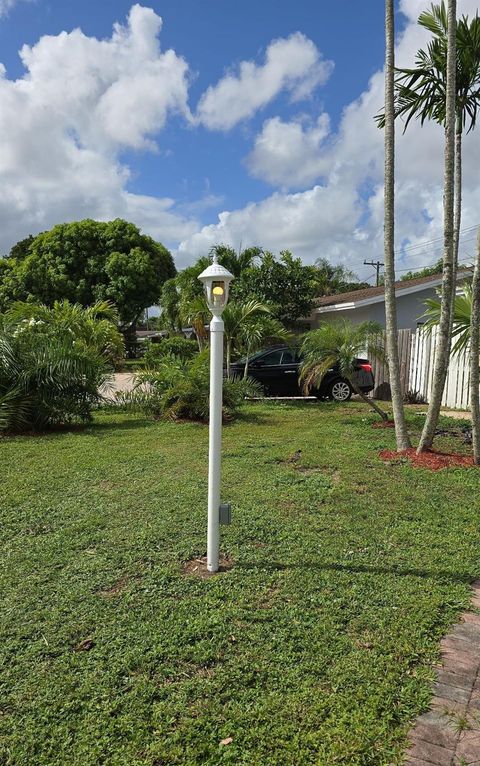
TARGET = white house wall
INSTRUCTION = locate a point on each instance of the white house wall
(409, 310)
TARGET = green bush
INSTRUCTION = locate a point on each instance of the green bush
(47, 382)
(176, 346)
(179, 390)
(52, 364)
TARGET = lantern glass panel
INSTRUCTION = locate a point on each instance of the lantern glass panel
(218, 293)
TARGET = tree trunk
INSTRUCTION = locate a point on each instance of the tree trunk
(457, 218)
(245, 369)
(401, 433)
(368, 401)
(475, 356)
(448, 282)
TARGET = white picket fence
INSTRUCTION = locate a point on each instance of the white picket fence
(422, 362)
(417, 351)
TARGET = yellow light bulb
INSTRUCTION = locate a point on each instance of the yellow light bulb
(217, 290)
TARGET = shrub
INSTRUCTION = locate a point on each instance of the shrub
(176, 346)
(95, 326)
(180, 389)
(52, 364)
(47, 381)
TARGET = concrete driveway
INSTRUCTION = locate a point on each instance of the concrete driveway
(122, 381)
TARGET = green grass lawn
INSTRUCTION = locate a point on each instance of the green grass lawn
(317, 647)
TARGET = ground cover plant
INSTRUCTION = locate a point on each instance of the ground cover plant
(317, 647)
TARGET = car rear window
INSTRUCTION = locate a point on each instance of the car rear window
(288, 358)
(274, 357)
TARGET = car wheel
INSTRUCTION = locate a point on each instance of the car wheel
(340, 391)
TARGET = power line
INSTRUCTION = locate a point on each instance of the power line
(425, 243)
(377, 265)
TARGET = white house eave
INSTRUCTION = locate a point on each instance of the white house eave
(381, 298)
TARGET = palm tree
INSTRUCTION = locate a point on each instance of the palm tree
(340, 343)
(423, 92)
(449, 257)
(257, 332)
(237, 317)
(462, 317)
(194, 311)
(234, 262)
(466, 324)
(401, 433)
(170, 318)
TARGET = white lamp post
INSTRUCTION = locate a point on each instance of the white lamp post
(216, 281)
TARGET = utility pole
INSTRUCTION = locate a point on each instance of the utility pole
(377, 265)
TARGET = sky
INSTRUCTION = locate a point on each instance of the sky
(219, 122)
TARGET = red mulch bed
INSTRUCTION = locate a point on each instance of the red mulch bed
(430, 459)
(384, 424)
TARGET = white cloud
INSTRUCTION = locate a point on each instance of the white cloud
(293, 64)
(80, 102)
(343, 219)
(6, 6)
(288, 154)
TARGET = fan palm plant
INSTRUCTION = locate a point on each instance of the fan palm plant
(462, 315)
(340, 343)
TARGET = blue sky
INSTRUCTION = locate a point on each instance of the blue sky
(297, 169)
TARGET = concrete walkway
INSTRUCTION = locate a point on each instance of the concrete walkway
(449, 734)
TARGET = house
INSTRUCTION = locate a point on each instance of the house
(369, 303)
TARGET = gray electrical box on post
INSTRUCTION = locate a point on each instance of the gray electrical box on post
(225, 513)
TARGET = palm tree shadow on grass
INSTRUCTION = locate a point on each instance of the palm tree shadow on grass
(439, 575)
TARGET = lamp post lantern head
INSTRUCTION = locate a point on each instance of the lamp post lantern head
(216, 282)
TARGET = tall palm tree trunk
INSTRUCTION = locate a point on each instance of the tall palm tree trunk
(475, 356)
(457, 216)
(448, 279)
(401, 433)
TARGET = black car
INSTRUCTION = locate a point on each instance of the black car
(277, 369)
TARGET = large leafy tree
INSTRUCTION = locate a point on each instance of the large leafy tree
(333, 279)
(87, 261)
(285, 284)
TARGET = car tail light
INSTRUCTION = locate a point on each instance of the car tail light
(367, 367)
